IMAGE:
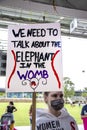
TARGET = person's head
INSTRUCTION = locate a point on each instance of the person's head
(12, 121)
(11, 103)
(54, 100)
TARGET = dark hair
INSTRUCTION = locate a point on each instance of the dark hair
(46, 93)
(11, 103)
(12, 121)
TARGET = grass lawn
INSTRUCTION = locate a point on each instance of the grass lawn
(22, 116)
(75, 112)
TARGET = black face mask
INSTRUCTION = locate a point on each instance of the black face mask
(57, 104)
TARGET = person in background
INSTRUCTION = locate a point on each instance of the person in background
(79, 103)
(56, 116)
(84, 115)
(30, 114)
(84, 110)
(12, 126)
(11, 108)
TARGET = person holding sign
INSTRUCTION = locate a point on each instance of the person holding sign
(56, 117)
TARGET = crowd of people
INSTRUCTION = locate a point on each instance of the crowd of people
(54, 117)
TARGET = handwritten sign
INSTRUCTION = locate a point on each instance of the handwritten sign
(34, 59)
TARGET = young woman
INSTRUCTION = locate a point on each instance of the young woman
(56, 116)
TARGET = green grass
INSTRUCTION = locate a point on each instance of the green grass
(75, 112)
(22, 115)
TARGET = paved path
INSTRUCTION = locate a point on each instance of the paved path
(28, 127)
(81, 127)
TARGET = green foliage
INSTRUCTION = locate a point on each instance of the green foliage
(2, 94)
(68, 87)
(84, 93)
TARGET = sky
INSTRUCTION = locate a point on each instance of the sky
(74, 61)
(74, 52)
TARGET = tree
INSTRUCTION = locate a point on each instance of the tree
(84, 93)
(68, 87)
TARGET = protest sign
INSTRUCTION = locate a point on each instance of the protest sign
(34, 58)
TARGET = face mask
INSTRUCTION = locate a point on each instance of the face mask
(57, 104)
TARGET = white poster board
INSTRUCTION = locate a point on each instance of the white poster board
(34, 58)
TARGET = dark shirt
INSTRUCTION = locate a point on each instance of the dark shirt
(84, 110)
(10, 109)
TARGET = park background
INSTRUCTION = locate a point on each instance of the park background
(22, 114)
